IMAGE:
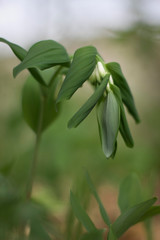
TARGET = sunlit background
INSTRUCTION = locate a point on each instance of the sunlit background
(126, 31)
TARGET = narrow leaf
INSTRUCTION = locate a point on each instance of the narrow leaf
(20, 54)
(101, 207)
(131, 217)
(119, 79)
(83, 64)
(129, 192)
(109, 119)
(83, 112)
(153, 211)
(81, 214)
(124, 128)
(43, 54)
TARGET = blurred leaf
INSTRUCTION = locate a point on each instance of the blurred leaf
(81, 214)
(35, 100)
(83, 112)
(124, 128)
(131, 217)
(6, 168)
(69, 224)
(111, 235)
(153, 211)
(94, 235)
(43, 54)
(108, 120)
(38, 232)
(129, 192)
(119, 79)
(94, 192)
(21, 54)
(83, 64)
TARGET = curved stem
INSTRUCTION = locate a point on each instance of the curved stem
(36, 149)
(55, 75)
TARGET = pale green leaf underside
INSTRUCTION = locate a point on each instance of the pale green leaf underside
(83, 112)
(131, 217)
(21, 54)
(109, 124)
(81, 214)
(42, 55)
(119, 79)
(83, 64)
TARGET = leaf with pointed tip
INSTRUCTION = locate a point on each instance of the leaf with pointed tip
(129, 192)
(124, 128)
(94, 192)
(131, 217)
(32, 102)
(83, 64)
(94, 235)
(108, 121)
(81, 214)
(119, 79)
(17, 50)
(83, 112)
(153, 211)
(20, 54)
(43, 55)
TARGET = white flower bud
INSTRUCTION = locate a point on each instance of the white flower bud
(101, 69)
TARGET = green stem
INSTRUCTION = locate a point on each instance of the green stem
(54, 76)
(148, 229)
(36, 149)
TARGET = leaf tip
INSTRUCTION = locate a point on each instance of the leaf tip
(69, 125)
(15, 71)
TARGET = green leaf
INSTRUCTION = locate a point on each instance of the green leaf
(108, 120)
(124, 128)
(111, 235)
(17, 50)
(38, 231)
(43, 55)
(83, 64)
(101, 207)
(95, 235)
(6, 167)
(20, 54)
(81, 214)
(35, 100)
(129, 192)
(119, 79)
(131, 217)
(83, 112)
(153, 211)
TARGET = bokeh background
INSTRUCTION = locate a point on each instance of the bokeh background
(126, 31)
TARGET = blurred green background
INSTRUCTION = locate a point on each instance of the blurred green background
(64, 153)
